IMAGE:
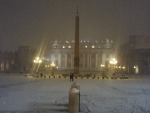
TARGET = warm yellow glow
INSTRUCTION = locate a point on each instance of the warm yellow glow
(63, 46)
(53, 64)
(113, 61)
(85, 46)
(102, 65)
(93, 46)
(136, 69)
(37, 60)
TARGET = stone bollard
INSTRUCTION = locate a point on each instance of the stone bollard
(75, 85)
(74, 100)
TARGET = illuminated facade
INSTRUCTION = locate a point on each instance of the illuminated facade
(92, 54)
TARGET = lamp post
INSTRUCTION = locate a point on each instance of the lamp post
(102, 67)
(113, 62)
(52, 67)
(37, 61)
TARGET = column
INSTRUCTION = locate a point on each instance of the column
(59, 60)
(90, 61)
(83, 60)
(71, 60)
(65, 60)
(97, 60)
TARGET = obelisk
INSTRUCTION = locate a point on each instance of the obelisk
(76, 47)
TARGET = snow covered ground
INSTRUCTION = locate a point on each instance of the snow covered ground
(22, 94)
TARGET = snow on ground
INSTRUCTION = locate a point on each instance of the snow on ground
(22, 94)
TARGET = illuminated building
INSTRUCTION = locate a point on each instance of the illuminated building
(80, 55)
(92, 54)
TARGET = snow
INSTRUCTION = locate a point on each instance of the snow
(24, 94)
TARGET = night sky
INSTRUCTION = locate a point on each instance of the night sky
(33, 22)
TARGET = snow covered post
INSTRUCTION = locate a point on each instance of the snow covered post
(73, 100)
(77, 86)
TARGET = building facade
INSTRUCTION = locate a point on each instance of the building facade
(25, 58)
(135, 55)
(92, 54)
(8, 61)
(19, 61)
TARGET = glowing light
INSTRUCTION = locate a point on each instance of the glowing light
(136, 69)
(113, 61)
(102, 65)
(53, 64)
(67, 41)
(37, 60)
(93, 46)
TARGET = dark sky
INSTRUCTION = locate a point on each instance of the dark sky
(32, 22)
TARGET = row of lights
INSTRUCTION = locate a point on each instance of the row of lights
(120, 67)
(84, 41)
(84, 46)
(113, 61)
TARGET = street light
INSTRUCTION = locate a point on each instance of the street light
(113, 61)
(136, 69)
(52, 66)
(37, 60)
(102, 65)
